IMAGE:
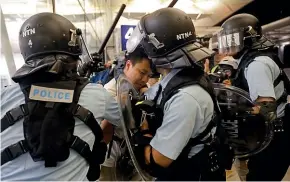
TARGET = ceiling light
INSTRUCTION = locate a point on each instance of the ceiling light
(205, 4)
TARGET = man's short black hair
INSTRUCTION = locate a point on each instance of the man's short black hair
(137, 56)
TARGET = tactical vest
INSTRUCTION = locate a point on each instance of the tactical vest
(240, 80)
(48, 126)
(186, 77)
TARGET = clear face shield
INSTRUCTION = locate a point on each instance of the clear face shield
(230, 42)
(85, 56)
(137, 36)
(135, 39)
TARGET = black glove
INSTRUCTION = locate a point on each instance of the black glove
(218, 77)
(89, 66)
(241, 110)
(140, 142)
(153, 117)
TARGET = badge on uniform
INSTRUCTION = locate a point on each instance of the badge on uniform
(58, 92)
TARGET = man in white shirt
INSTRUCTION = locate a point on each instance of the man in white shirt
(137, 68)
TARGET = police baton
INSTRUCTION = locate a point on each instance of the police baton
(101, 50)
(172, 3)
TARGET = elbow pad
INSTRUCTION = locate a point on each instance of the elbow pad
(268, 110)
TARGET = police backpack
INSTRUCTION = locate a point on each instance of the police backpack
(48, 126)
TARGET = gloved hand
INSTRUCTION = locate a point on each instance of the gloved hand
(89, 66)
(153, 115)
(140, 140)
(241, 110)
(218, 77)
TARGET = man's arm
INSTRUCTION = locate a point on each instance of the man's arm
(176, 129)
(112, 114)
(108, 130)
(107, 127)
(260, 81)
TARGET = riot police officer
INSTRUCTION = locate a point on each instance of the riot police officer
(173, 146)
(259, 74)
(43, 130)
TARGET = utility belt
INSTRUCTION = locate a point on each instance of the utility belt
(189, 169)
(278, 124)
(215, 156)
(283, 123)
(199, 167)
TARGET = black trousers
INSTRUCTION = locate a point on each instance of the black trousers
(272, 163)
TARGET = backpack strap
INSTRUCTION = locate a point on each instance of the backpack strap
(97, 155)
(188, 77)
(14, 115)
(13, 151)
(82, 83)
(240, 80)
(80, 146)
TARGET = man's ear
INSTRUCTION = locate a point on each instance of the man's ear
(128, 64)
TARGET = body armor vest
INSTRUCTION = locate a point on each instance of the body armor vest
(187, 77)
(48, 126)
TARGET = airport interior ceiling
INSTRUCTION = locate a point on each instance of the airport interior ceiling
(94, 17)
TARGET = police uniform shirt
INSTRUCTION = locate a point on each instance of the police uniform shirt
(93, 97)
(186, 114)
(260, 76)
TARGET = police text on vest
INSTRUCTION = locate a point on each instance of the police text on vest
(51, 94)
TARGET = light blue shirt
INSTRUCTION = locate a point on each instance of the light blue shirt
(93, 97)
(186, 114)
(260, 76)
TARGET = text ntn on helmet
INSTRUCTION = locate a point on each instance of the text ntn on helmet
(162, 32)
(46, 33)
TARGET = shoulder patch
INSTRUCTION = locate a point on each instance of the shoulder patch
(51, 94)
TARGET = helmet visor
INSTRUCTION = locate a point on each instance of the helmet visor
(135, 39)
(85, 56)
(230, 42)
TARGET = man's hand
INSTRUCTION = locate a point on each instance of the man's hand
(227, 82)
(145, 126)
(108, 131)
(143, 90)
(256, 109)
(206, 66)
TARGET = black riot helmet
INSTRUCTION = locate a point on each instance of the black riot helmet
(46, 33)
(168, 38)
(162, 32)
(241, 31)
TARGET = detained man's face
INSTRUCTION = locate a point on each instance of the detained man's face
(139, 73)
